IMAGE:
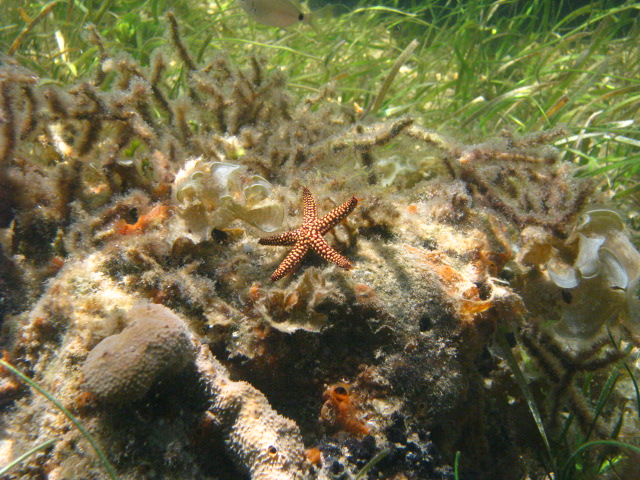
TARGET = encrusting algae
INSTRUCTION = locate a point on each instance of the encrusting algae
(137, 290)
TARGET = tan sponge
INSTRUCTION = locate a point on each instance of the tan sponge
(156, 344)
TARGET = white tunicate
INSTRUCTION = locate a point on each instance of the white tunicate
(588, 261)
(591, 306)
(613, 270)
(223, 173)
(258, 190)
(563, 275)
(267, 218)
(602, 279)
(214, 194)
(600, 220)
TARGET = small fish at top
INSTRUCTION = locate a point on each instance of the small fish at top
(277, 13)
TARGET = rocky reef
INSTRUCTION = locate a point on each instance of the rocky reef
(134, 288)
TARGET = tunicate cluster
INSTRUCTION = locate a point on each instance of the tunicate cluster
(213, 194)
(391, 168)
(599, 273)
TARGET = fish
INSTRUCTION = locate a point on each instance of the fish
(276, 13)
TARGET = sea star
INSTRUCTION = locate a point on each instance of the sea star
(309, 235)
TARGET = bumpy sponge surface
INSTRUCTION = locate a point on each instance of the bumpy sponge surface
(155, 345)
(262, 442)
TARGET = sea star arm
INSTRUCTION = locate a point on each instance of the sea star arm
(310, 211)
(283, 239)
(322, 248)
(334, 217)
(291, 260)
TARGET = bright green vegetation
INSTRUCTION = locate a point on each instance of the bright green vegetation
(480, 67)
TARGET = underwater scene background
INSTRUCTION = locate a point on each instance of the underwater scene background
(257, 239)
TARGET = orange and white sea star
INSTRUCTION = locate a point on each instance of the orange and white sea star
(309, 235)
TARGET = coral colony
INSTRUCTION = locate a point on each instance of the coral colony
(136, 267)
